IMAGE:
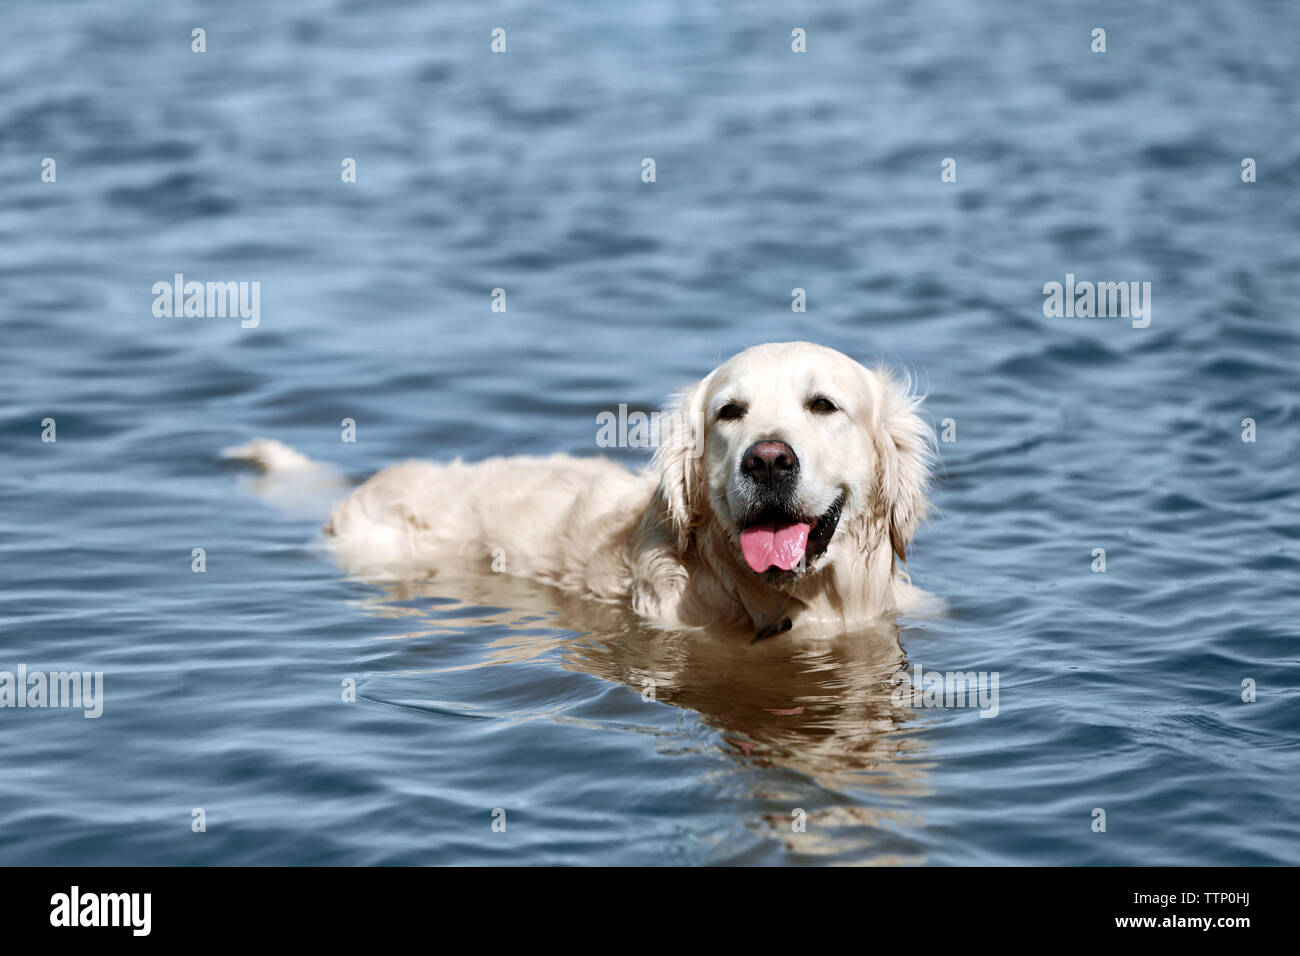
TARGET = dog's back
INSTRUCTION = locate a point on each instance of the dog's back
(543, 518)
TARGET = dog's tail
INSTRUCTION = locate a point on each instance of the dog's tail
(289, 479)
(273, 457)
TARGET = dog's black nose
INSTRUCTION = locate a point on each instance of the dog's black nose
(768, 462)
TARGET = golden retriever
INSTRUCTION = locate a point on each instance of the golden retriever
(785, 497)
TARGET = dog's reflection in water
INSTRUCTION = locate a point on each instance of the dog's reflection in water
(820, 708)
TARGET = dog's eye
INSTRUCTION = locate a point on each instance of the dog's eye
(731, 411)
(822, 406)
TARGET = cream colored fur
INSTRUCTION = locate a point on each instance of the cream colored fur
(664, 543)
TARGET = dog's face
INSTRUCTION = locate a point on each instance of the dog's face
(804, 455)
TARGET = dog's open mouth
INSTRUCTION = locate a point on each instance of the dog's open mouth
(778, 539)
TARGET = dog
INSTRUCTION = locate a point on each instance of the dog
(784, 498)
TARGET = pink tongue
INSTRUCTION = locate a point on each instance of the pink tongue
(766, 545)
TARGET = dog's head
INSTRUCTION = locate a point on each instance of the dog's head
(797, 457)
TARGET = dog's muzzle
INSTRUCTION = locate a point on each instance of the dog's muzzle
(776, 536)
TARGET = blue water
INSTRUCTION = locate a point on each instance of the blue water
(1119, 691)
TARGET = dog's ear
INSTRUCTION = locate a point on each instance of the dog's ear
(905, 458)
(679, 463)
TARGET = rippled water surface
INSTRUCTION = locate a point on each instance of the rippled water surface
(821, 171)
